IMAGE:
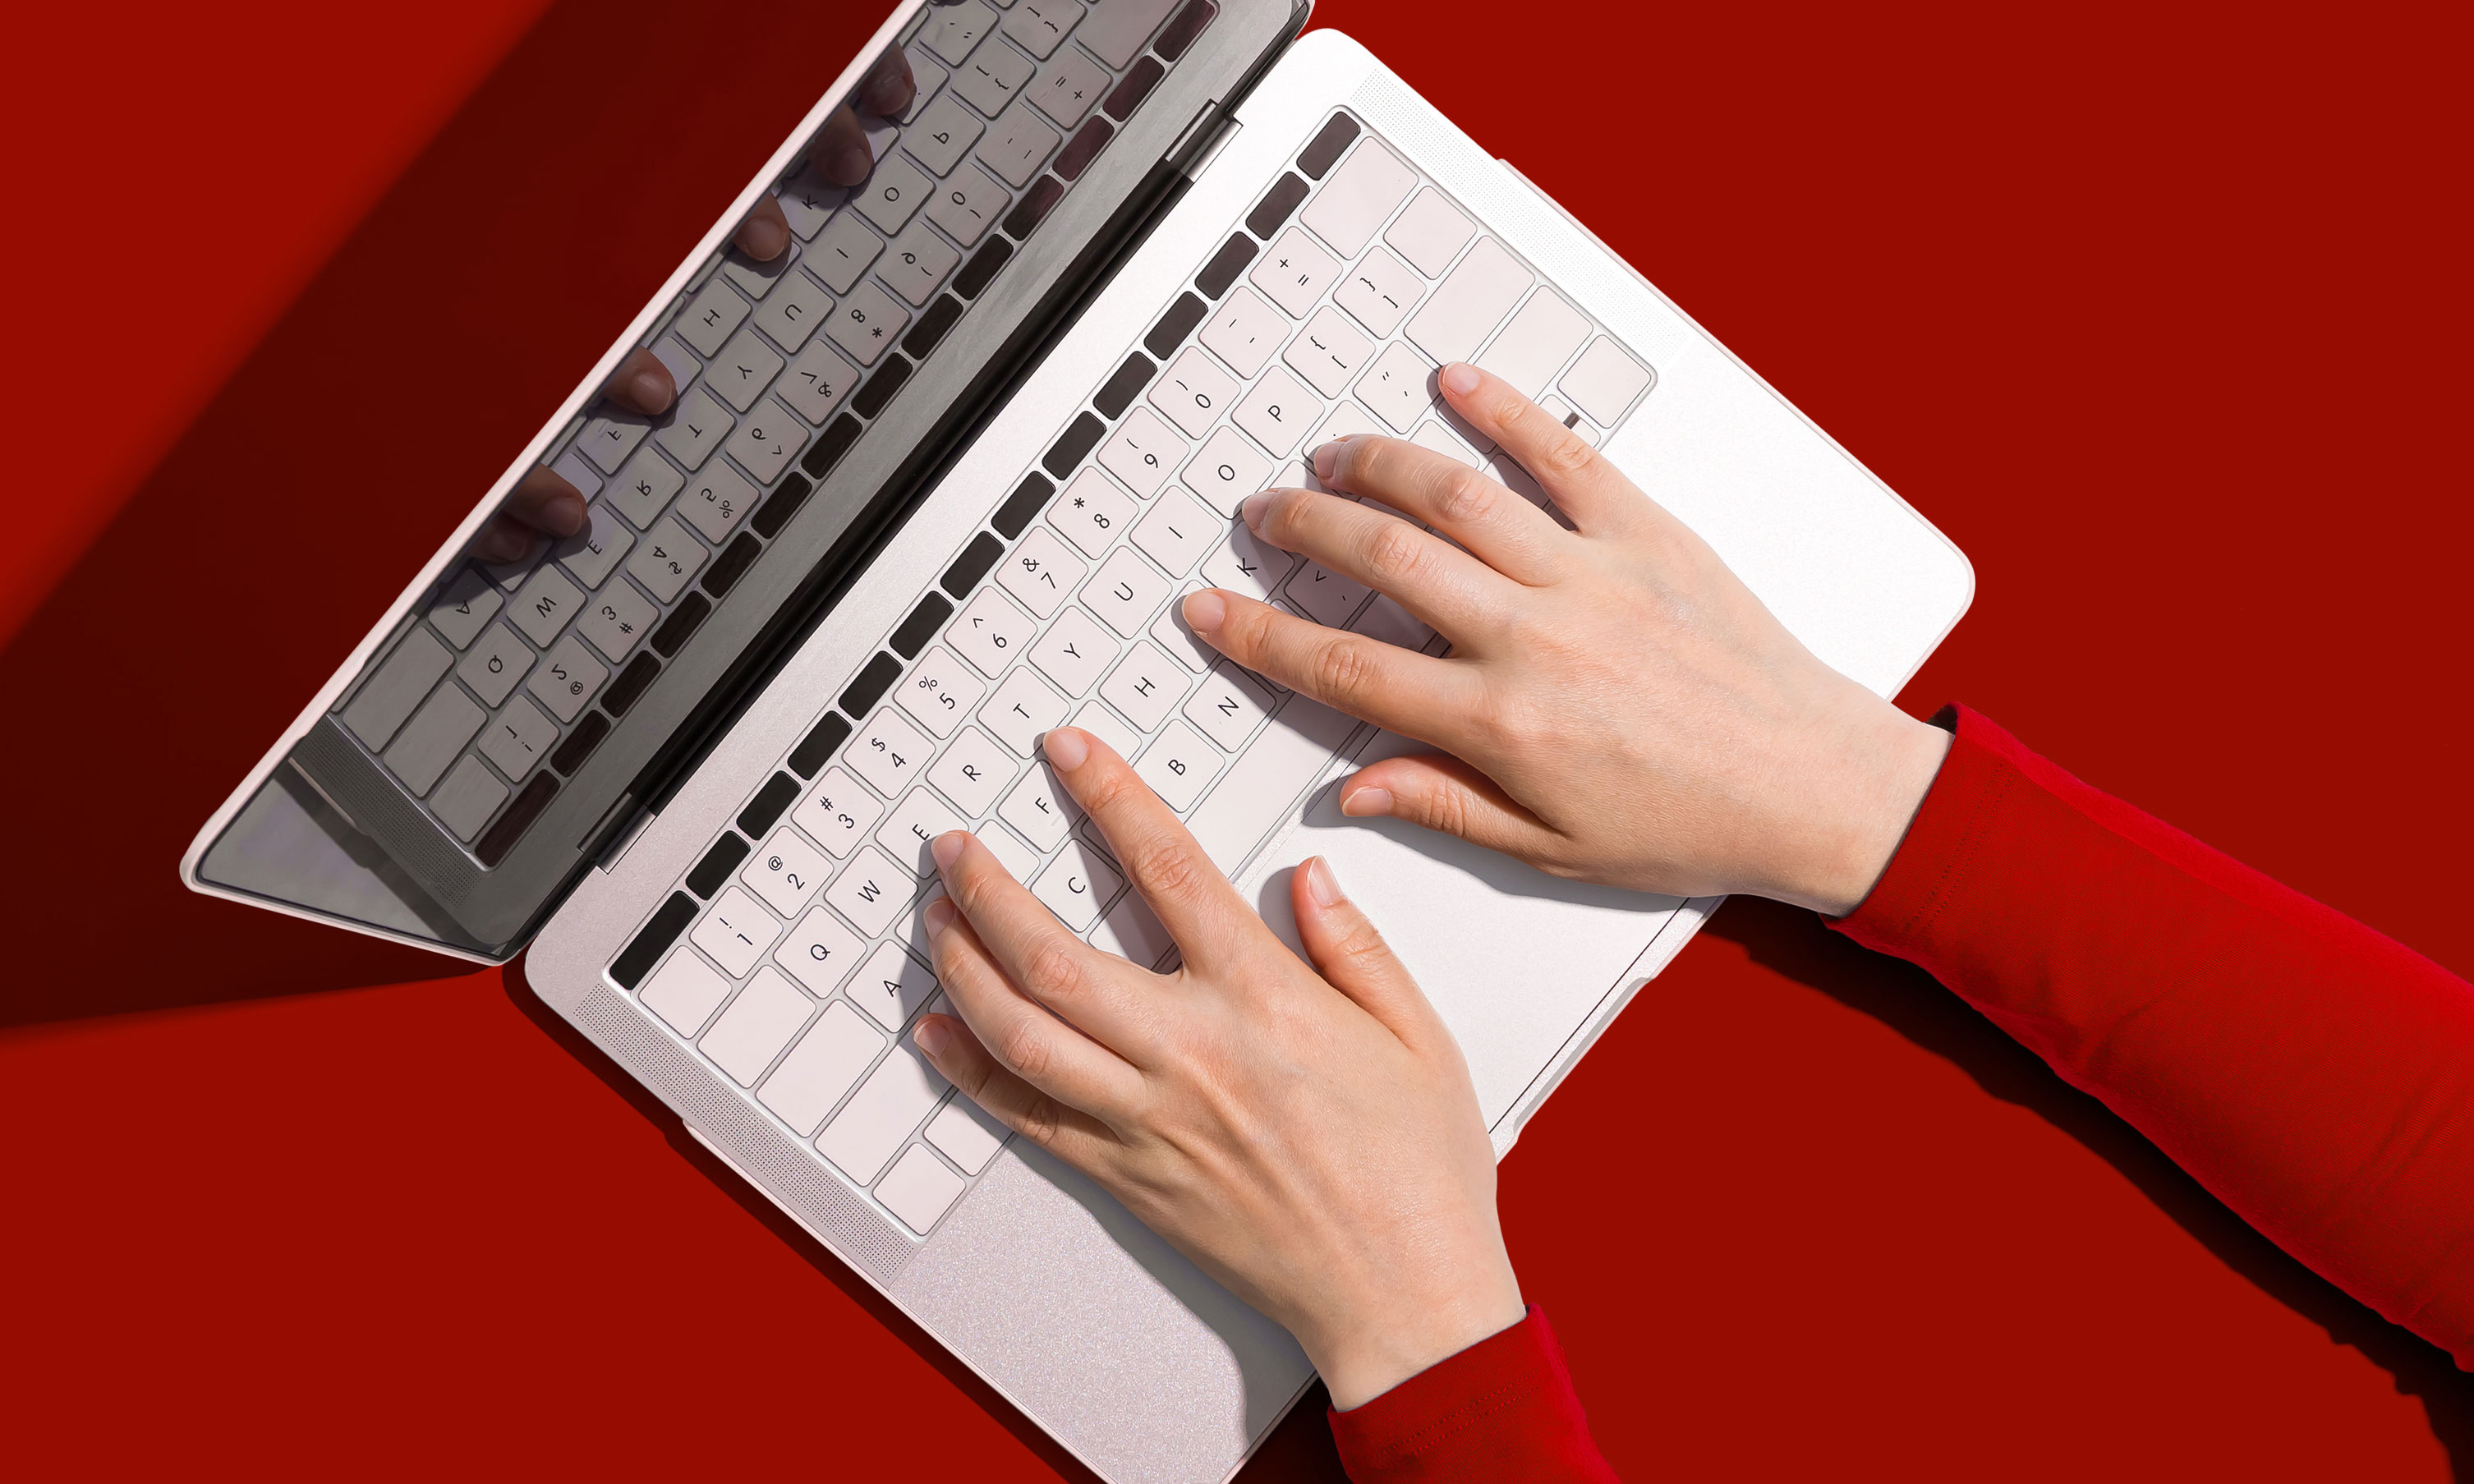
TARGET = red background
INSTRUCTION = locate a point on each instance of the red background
(2160, 314)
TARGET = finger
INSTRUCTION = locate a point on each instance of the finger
(1502, 529)
(541, 504)
(1194, 901)
(1399, 690)
(1452, 591)
(765, 234)
(642, 383)
(1096, 993)
(839, 151)
(962, 1059)
(888, 89)
(1592, 491)
(1025, 1040)
(1347, 951)
(1449, 796)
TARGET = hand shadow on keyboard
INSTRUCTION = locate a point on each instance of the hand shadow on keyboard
(323, 474)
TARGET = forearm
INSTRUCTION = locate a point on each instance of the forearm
(2317, 1075)
(1501, 1412)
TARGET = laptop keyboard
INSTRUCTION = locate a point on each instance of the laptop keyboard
(518, 671)
(792, 953)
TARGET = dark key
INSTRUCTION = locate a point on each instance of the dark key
(819, 744)
(681, 625)
(1275, 206)
(1170, 334)
(580, 742)
(982, 269)
(1125, 386)
(1328, 146)
(767, 805)
(882, 386)
(1081, 436)
(631, 965)
(1136, 87)
(1027, 212)
(1029, 498)
(830, 447)
(874, 678)
(1182, 31)
(972, 565)
(732, 564)
(776, 512)
(717, 865)
(629, 685)
(1225, 264)
(517, 818)
(931, 326)
(921, 626)
(1084, 147)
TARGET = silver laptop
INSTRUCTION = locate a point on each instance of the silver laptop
(935, 484)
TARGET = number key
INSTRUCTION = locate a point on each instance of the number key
(786, 872)
(889, 753)
(665, 559)
(1040, 572)
(618, 617)
(990, 632)
(866, 321)
(836, 812)
(939, 691)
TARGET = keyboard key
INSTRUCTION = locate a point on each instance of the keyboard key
(1535, 346)
(1029, 497)
(894, 1100)
(546, 605)
(820, 952)
(1039, 809)
(1248, 565)
(517, 737)
(1078, 884)
(735, 932)
(644, 491)
(1347, 421)
(1230, 706)
(1103, 723)
(1471, 303)
(1325, 595)
(496, 664)
(591, 554)
(566, 677)
(749, 1035)
(717, 500)
(1384, 618)
(684, 992)
(1359, 198)
(1271, 212)
(1068, 88)
(866, 323)
(589, 733)
(1295, 272)
(763, 444)
(1179, 765)
(433, 738)
(747, 365)
(468, 798)
(927, 79)
(1125, 592)
(1226, 470)
(471, 600)
(953, 31)
(1023, 708)
(786, 872)
(1328, 352)
(843, 252)
(1188, 25)
(944, 132)
(712, 317)
(1018, 146)
(993, 74)
(665, 559)
(1142, 451)
(1378, 291)
(1225, 266)
(1037, 26)
(1396, 387)
(939, 691)
(1117, 31)
(1193, 393)
(889, 753)
(919, 1188)
(917, 262)
(807, 201)
(1017, 860)
(990, 632)
(871, 890)
(511, 576)
(1244, 333)
(1041, 571)
(1170, 632)
(1325, 151)
(920, 817)
(824, 1065)
(1277, 412)
(965, 1133)
(893, 194)
(1092, 512)
(1605, 381)
(1431, 434)
(967, 204)
(616, 618)
(694, 428)
(756, 280)
(1177, 531)
(892, 986)
(720, 858)
(836, 812)
(973, 772)
(819, 379)
(1145, 686)
(1132, 932)
(1431, 232)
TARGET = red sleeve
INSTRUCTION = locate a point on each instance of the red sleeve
(1502, 1411)
(2317, 1075)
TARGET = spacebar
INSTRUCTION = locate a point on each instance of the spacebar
(1266, 781)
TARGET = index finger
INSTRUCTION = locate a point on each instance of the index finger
(1186, 890)
(1592, 492)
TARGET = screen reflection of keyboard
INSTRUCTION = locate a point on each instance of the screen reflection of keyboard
(1327, 312)
(519, 670)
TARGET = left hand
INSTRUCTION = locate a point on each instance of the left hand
(1308, 1133)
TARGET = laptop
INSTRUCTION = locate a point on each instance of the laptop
(935, 482)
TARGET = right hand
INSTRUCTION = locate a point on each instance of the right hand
(1617, 706)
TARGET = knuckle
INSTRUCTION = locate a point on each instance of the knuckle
(1392, 551)
(1166, 869)
(1342, 672)
(1465, 496)
(1025, 1049)
(1055, 971)
(1041, 1120)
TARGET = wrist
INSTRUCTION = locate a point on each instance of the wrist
(1889, 761)
(1367, 1359)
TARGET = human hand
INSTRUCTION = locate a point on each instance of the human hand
(1617, 706)
(1307, 1134)
(543, 503)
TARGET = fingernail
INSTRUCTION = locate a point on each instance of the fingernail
(1326, 459)
(939, 916)
(1366, 802)
(1067, 748)
(1205, 611)
(847, 164)
(1320, 881)
(1252, 509)
(932, 1037)
(945, 848)
(651, 390)
(564, 516)
(1460, 378)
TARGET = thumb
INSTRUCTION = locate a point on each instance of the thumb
(1446, 795)
(1347, 951)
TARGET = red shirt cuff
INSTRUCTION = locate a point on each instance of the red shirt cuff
(1502, 1411)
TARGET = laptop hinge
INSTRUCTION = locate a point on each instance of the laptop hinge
(1203, 140)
